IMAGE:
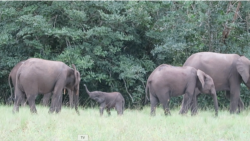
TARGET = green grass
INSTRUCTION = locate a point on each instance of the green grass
(134, 125)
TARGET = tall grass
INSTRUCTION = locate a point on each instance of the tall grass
(134, 125)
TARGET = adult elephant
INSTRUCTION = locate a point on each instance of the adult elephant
(227, 71)
(23, 101)
(44, 76)
(167, 81)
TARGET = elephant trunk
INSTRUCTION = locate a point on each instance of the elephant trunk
(247, 84)
(215, 101)
(87, 90)
(76, 102)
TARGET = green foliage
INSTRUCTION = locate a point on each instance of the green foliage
(116, 45)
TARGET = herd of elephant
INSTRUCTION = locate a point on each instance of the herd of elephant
(203, 72)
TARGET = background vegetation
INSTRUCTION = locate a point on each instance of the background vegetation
(116, 45)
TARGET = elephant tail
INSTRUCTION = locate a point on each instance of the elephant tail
(11, 96)
(123, 105)
(146, 92)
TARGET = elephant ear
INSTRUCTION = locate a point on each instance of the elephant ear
(242, 66)
(74, 67)
(77, 79)
(201, 76)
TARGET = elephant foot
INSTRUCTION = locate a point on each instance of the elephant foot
(51, 111)
(119, 113)
(34, 113)
(33, 110)
(58, 110)
(216, 114)
(167, 114)
(15, 110)
(193, 114)
(233, 112)
(78, 113)
(239, 110)
(182, 112)
(152, 114)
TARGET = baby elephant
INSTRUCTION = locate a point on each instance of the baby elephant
(108, 100)
(167, 81)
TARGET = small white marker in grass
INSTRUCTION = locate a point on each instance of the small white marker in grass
(83, 137)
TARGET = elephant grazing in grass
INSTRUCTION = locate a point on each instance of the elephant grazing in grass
(228, 72)
(167, 81)
(38, 76)
(108, 100)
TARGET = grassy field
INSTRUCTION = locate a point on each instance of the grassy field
(134, 125)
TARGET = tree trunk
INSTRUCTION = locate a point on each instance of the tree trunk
(226, 30)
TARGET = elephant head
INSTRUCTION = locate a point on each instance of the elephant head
(207, 86)
(242, 66)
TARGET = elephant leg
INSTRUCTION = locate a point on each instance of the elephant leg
(17, 101)
(76, 102)
(31, 99)
(102, 107)
(154, 102)
(52, 105)
(59, 104)
(234, 98)
(108, 111)
(240, 103)
(71, 101)
(165, 105)
(119, 108)
(56, 101)
(186, 102)
(23, 100)
(183, 110)
(46, 98)
(184, 105)
(194, 107)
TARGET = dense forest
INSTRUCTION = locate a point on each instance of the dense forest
(116, 45)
